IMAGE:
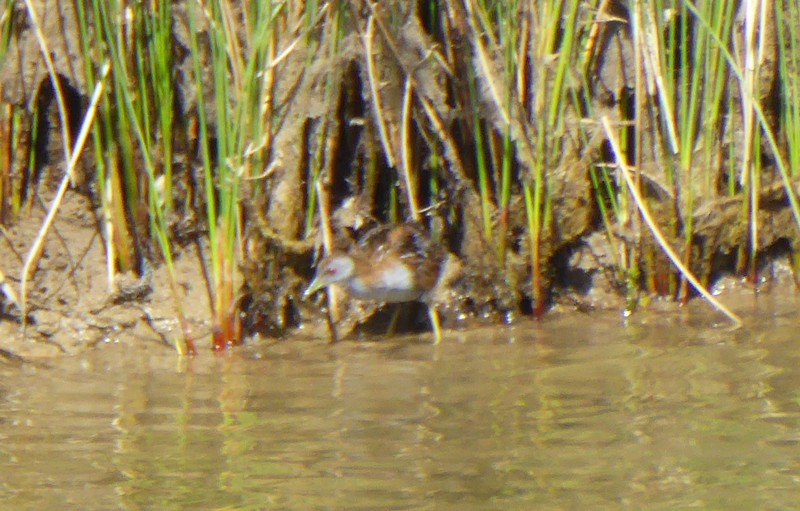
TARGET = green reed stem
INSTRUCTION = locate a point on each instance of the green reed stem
(480, 159)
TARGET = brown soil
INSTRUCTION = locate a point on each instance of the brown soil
(71, 305)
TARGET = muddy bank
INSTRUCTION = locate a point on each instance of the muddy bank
(392, 91)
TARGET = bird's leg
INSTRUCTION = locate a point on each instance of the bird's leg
(334, 337)
(436, 325)
(393, 322)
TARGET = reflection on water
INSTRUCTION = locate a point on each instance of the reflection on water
(574, 413)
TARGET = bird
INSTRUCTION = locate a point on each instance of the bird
(391, 264)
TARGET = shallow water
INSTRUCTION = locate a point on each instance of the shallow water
(579, 412)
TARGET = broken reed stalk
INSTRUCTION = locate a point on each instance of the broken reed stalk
(33, 253)
(657, 235)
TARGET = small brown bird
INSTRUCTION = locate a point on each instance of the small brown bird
(390, 264)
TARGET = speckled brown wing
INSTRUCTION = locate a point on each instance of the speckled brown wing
(413, 246)
(406, 243)
(376, 242)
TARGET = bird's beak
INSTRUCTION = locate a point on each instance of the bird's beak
(315, 286)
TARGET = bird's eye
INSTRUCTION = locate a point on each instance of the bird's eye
(330, 271)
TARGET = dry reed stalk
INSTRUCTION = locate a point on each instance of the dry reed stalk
(451, 151)
(332, 293)
(405, 152)
(108, 227)
(754, 28)
(646, 37)
(33, 253)
(367, 38)
(657, 235)
(54, 80)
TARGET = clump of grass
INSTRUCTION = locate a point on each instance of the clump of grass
(243, 51)
(534, 99)
(127, 36)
